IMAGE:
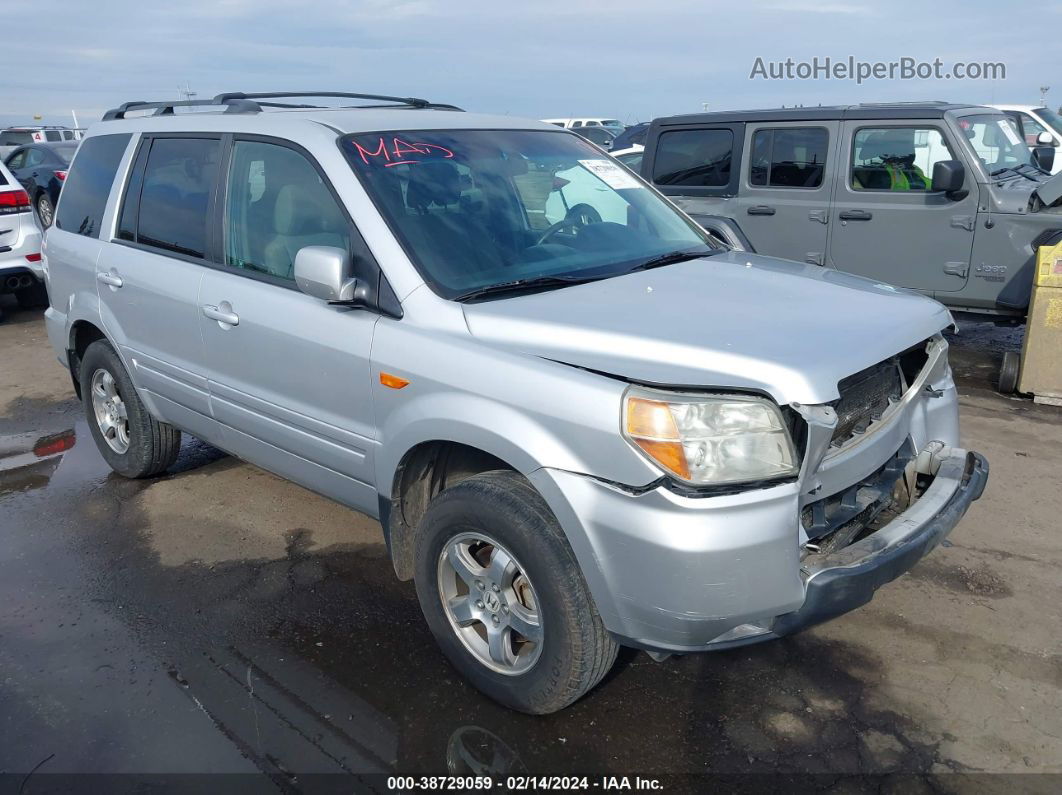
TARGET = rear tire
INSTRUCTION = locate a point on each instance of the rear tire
(574, 651)
(45, 210)
(132, 442)
(34, 297)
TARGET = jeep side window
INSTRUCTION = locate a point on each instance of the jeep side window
(896, 158)
(276, 204)
(178, 181)
(694, 157)
(792, 157)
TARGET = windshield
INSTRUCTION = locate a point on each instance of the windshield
(995, 139)
(1050, 118)
(478, 208)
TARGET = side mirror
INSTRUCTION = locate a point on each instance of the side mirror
(323, 272)
(948, 176)
(1044, 157)
(1045, 139)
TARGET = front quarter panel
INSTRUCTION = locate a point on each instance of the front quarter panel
(527, 411)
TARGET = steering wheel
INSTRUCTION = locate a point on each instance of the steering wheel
(579, 216)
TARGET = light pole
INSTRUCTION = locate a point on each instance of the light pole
(1043, 94)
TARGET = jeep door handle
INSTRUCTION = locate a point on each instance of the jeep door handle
(222, 314)
(760, 209)
(855, 215)
(112, 279)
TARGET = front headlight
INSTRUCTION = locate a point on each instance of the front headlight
(710, 439)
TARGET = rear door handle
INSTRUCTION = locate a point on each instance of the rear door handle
(760, 209)
(855, 215)
(112, 279)
(222, 313)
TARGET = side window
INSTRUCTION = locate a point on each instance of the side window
(18, 160)
(34, 157)
(174, 196)
(1032, 129)
(897, 158)
(793, 157)
(52, 135)
(276, 204)
(577, 124)
(88, 184)
(694, 157)
(68, 135)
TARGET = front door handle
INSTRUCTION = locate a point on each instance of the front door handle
(760, 209)
(111, 279)
(855, 215)
(222, 313)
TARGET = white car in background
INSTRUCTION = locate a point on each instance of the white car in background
(21, 266)
(1039, 126)
(594, 121)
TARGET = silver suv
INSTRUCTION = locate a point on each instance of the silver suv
(581, 422)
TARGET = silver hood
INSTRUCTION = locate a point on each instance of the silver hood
(734, 320)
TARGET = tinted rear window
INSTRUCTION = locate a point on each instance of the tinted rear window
(88, 184)
(179, 178)
(15, 138)
(699, 158)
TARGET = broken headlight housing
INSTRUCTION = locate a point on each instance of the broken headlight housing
(710, 439)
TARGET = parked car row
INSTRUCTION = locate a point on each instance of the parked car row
(582, 420)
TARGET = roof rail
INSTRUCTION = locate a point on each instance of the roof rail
(238, 102)
(908, 102)
(166, 108)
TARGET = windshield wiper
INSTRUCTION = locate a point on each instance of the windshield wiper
(1015, 171)
(671, 258)
(525, 285)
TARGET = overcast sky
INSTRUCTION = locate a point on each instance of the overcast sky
(630, 60)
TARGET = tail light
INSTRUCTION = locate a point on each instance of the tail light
(61, 176)
(13, 201)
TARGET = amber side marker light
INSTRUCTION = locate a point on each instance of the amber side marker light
(651, 426)
(393, 381)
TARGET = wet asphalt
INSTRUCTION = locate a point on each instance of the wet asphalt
(293, 650)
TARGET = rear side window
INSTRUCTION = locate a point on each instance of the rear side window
(794, 157)
(52, 135)
(699, 158)
(166, 206)
(88, 184)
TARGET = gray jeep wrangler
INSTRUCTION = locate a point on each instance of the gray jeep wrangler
(944, 199)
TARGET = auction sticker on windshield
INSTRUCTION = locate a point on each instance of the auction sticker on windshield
(611, 174)
(1008, 130)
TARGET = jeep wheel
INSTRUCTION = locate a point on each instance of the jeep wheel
(503, 595)
(132, 442)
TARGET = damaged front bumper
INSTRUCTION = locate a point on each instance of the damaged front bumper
(676, 575)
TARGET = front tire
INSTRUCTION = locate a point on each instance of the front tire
(504, 597)
(132, 442)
